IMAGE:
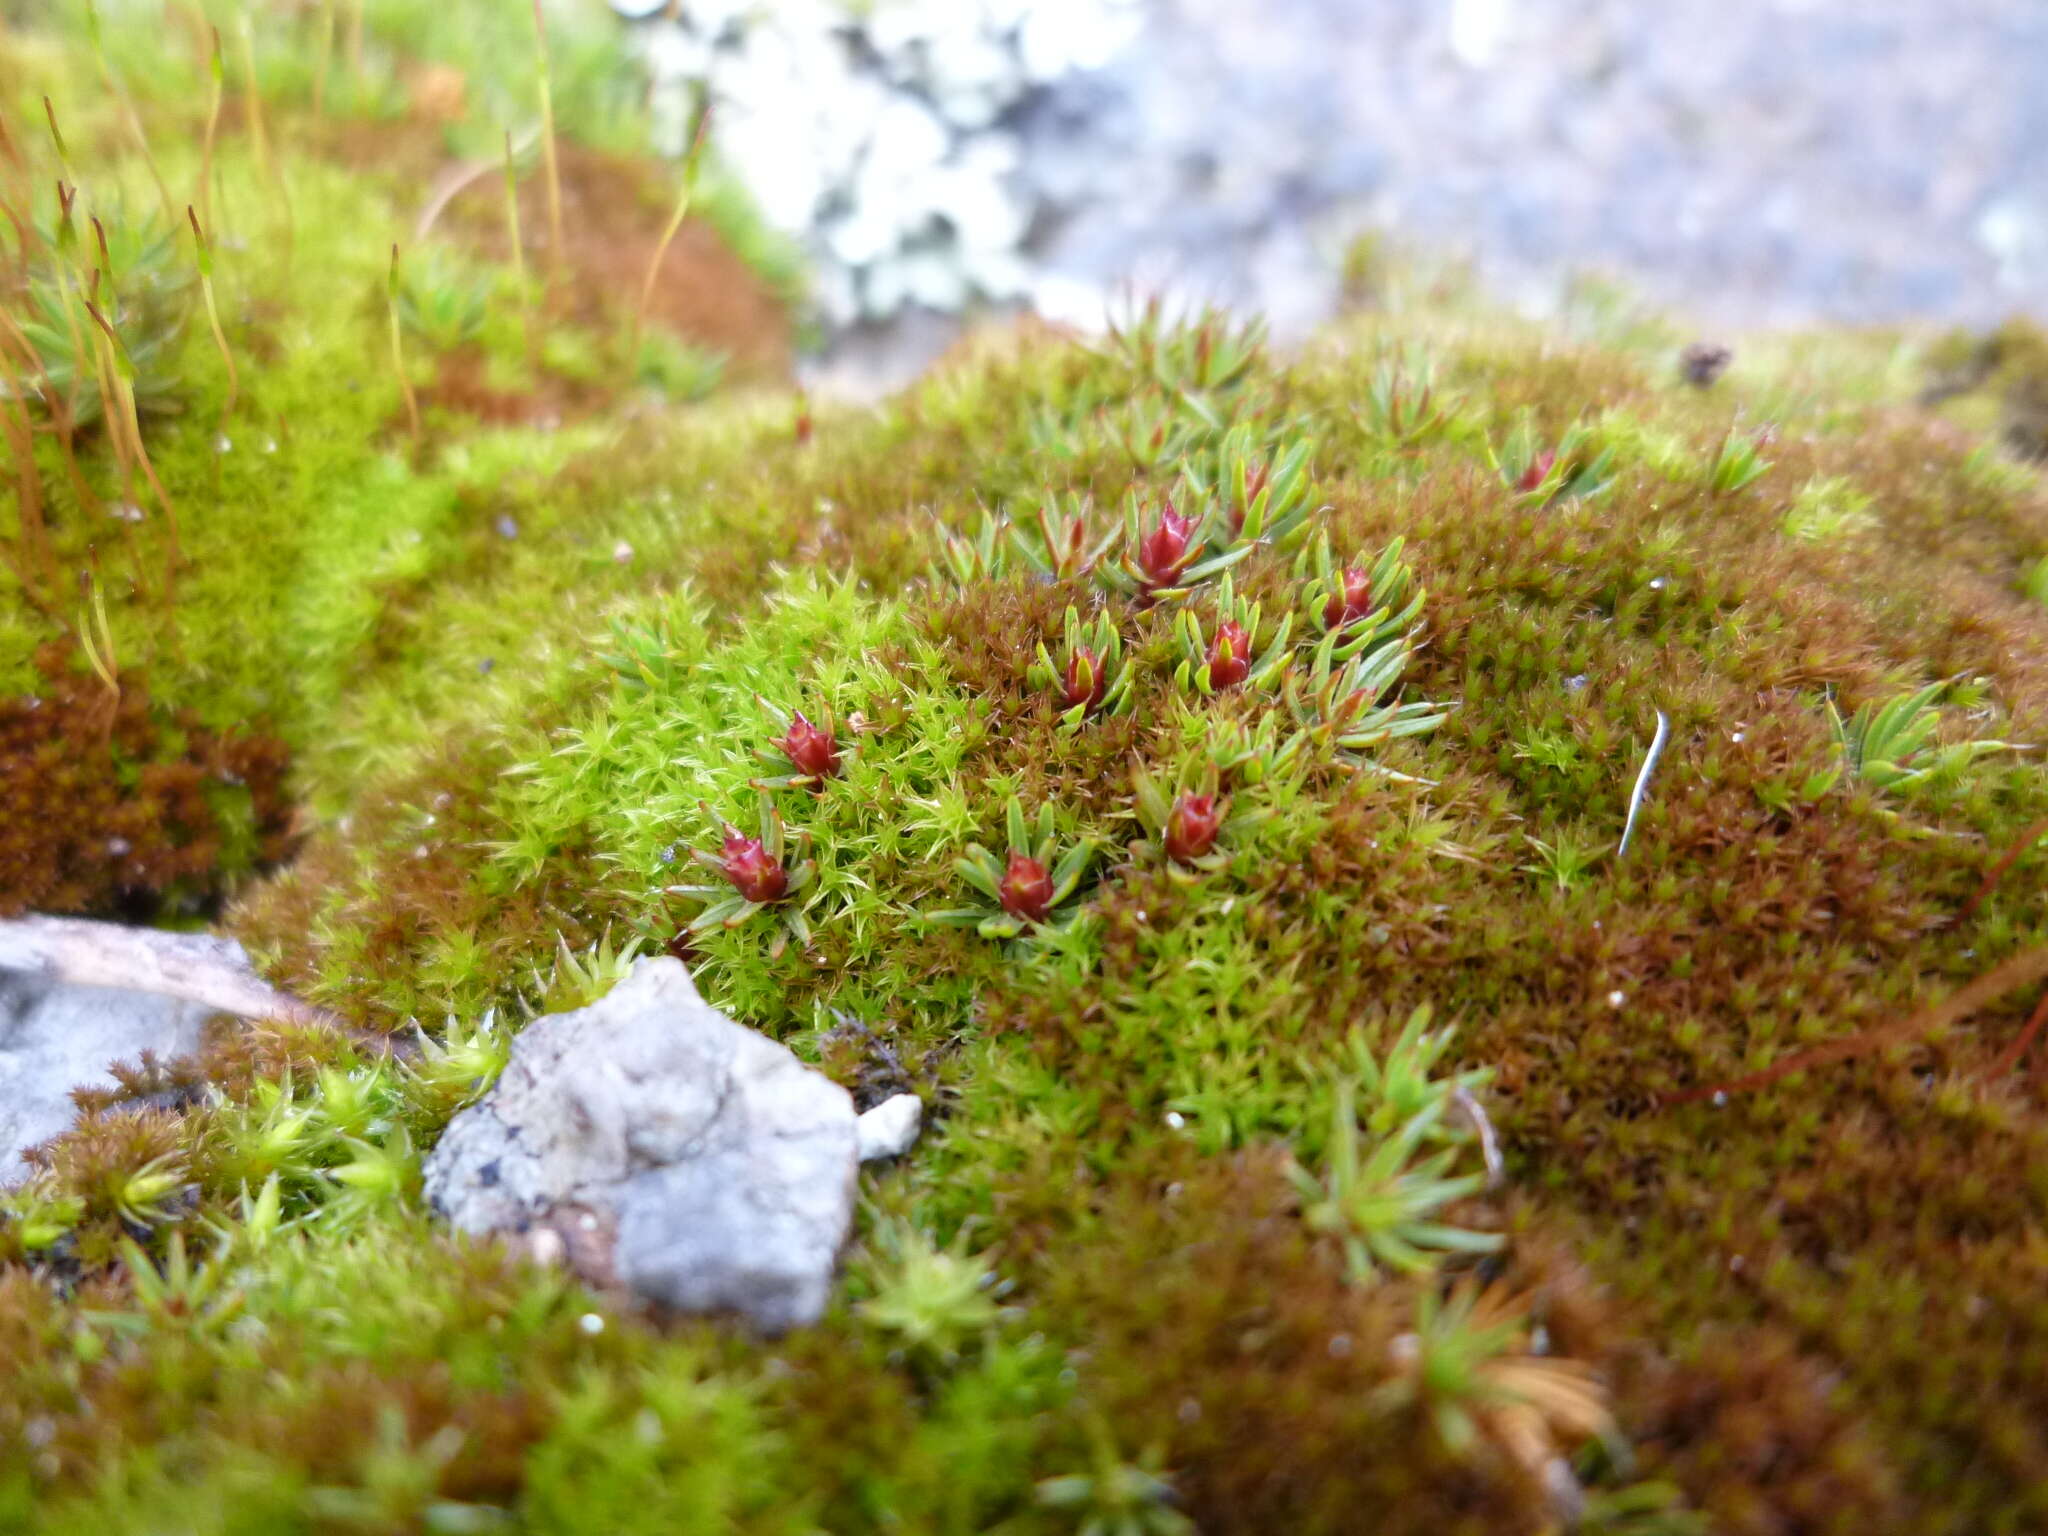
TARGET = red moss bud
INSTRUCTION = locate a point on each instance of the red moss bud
(1229, 655)
(1163, 553)
(1351, 601)
(1538, 470)
(753, 873)
(1026, 889)
(809, 749)
(1083, 682)
(1191, 827)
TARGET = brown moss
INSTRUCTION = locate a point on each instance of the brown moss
(117, 807)
(613, 213)
(1219, 1331)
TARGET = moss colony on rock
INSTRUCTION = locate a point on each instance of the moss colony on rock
(1201, 775)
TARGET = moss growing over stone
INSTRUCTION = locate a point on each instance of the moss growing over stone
(521, 670)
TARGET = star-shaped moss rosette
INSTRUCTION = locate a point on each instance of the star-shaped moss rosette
(1167, 552)
(1058, 540)
(1089, 676)
(757, 878)
(1264, 499)
(1577, 466)
(1237, 649)
(1240, 752)
(1360, 601)
(1336, 704)
(1187, 828)
(1031, 886)
(808, 752)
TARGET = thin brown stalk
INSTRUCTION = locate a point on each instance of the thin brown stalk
(412, 404)
(2011, 856)
(2010, 1057)
(215, 93)
(103, 372)
(130, 117)
(557, 252)
(518, 244)
(2024, 969)
(130, 421)
(267, 164)
(38, 565)
(60, 413)
(324, 60)
(355, 45)
(220, 338)
(668, 234)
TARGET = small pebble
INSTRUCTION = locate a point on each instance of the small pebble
(507, 526)
(591, 1324)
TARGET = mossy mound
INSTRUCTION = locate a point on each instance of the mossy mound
(1376, 656)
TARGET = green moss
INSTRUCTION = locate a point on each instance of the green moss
(523, 670)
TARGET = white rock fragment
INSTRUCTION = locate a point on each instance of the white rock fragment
(668, 1148)
(884, 136)
(55, 1037)
(891, 1128)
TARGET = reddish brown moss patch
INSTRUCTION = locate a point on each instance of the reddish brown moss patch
(115, 807)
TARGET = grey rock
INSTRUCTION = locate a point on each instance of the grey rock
(890, 1128)
(663, 1146)
(55, 1037)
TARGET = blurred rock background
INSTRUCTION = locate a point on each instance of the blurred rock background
(1744, 161)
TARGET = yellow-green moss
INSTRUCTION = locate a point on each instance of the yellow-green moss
(519, 666)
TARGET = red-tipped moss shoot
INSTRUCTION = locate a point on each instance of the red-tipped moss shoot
(1188, 824)
(1167, 552)
(1237, 650)
(809, 750)
(1360, 601)
(1089, 676)
(1058, 543)
(1030, 886)
(756, 876)
(1337, 703)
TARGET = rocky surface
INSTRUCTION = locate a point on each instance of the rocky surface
(657, 1144)
(55, 1037)
(891, 1128)
(1746, 161)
